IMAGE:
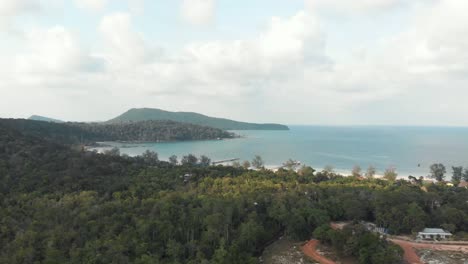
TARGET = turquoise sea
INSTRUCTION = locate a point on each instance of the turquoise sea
(410, 150)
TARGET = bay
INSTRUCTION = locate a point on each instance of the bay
(411, 150)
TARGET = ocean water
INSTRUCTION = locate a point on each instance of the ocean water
(411, 150)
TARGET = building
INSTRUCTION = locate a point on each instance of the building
(434, 233)
(463, 184)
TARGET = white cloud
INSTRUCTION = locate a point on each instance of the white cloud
(54, 50)
(437, 41)
(92, 5)
(283, 73)
(198, 12)
(136, 6)
(125, 48)
(9, 9)
(15, 7)
(245, 67)
(355, 5)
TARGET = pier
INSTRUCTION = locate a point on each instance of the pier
(224, 161)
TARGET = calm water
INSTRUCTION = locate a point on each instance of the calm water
(340, 147)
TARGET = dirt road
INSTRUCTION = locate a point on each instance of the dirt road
(310, 249)
(410, 252)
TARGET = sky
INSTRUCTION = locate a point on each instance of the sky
(323, 62)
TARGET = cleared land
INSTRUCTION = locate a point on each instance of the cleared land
(285, 251)
(411, 255)
(310, 249)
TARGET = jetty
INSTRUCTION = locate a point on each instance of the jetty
(224, 161)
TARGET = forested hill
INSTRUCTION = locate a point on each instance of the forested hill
(193, 118)
(86, 133)
(59, 205)
(43, 118)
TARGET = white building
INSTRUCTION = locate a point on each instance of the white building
(434, 233)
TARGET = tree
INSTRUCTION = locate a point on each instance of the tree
(174, 250)
(457, 175)
(329, 169)
(173, 160)
(112, 152)
(306, 171)
(370, 173)
(438, 171)
(356, 172)
(465, 174)
(205, 161)
(289, 164)
(236, 164)
(246, 164)
(189, 160)
(150, 157)
(390, 174)
(257, 162)
(415, 218)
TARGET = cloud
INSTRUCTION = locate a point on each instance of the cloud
(198, 12)
(436, 42)
(125, 48)
(283, 73)
(136, 6)
(246, 67)
(9, 9)
(54, 50)
(14, 7)
(353, 6)
(91, 5)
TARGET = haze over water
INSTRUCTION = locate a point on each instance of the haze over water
(340, 147)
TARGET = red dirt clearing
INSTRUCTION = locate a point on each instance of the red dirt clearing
(410, 253)
(310, 249)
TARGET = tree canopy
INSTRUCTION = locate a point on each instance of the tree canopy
(62, 205)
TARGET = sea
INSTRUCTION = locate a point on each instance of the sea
(410, 150)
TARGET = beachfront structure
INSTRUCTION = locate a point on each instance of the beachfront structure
(463, 184)
(434, 233)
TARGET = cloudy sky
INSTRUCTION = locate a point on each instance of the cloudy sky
(330, 62)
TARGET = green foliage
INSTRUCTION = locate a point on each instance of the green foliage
(457, 174)
(145, 114)
(189, 160)
(356, 241)
(438, 171)
(173, 160)
(257, 162)
(59, 205)
(88, 133)
(390, 174)
(370, 173)
(356, 171)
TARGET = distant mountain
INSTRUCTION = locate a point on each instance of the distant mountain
(43, 118)
(143, 114)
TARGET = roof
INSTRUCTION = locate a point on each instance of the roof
(463, 184)
(435, 231)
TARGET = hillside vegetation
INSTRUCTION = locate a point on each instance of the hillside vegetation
(43, 118)
(87, 133)
(58, 205)
(193, 118)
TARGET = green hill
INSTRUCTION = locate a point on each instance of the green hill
(43, 118)
(88, 133)
(143, 114)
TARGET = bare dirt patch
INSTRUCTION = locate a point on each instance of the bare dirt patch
(285, 251)
(310, 249)
(442, 257)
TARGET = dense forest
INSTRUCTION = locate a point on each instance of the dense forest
(87, 133)
(144, 114)
(60, 205)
